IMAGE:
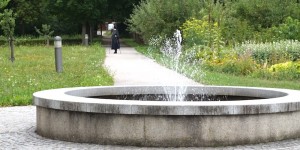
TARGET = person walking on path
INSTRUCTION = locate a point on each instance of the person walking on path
(115, 43)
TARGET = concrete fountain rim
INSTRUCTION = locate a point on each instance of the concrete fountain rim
(72, 99)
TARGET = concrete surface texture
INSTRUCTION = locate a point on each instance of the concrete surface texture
(162, 131)
(18, 124)
(67, 114)
(74, 99)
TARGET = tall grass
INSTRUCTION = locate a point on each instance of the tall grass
(217, 78)
(271, 52)
(34, 70)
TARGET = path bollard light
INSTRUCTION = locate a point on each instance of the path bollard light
(58, 54)
(86, 40)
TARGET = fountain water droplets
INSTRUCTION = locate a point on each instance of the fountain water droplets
(173, 58)
(172, 50)
(172, 46)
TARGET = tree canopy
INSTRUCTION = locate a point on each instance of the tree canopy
(239, 20)
(66, 16)
(3, 3)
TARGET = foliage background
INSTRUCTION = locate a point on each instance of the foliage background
(237, 37)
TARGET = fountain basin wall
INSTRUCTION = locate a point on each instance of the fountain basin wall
(66, 114)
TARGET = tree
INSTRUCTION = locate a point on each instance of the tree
(45, 32)
(161, 17)
(264, 13)
(67, 16)
(118, 11)
(3, 3)
(86, 13)
(7, 24)
(28, 12)
(290, 29)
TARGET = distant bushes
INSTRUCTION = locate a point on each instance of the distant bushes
(30, 40)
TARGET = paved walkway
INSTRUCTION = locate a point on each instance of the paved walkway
(131, 68)
(17, 124)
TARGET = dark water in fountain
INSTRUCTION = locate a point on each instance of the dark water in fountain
(188, 97)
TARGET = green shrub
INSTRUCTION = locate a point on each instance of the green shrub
(199, 32)
(195, 32)
(197, 52)
(244, 66)
(161, 18)
(287, 70)
(233, 64)
(290, 29)
(31, 40)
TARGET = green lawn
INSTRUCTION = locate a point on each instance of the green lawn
(215, 78)
(34, 70)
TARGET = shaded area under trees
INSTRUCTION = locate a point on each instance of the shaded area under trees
(67, 16)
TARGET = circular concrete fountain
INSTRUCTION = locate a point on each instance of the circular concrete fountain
(221, 116)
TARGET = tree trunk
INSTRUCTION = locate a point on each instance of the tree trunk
(12, 51)
(83, 32)
(91, 31)
(101, 30)
(22, 28)
(47, 42)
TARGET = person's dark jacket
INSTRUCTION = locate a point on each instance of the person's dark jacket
(115, 44)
